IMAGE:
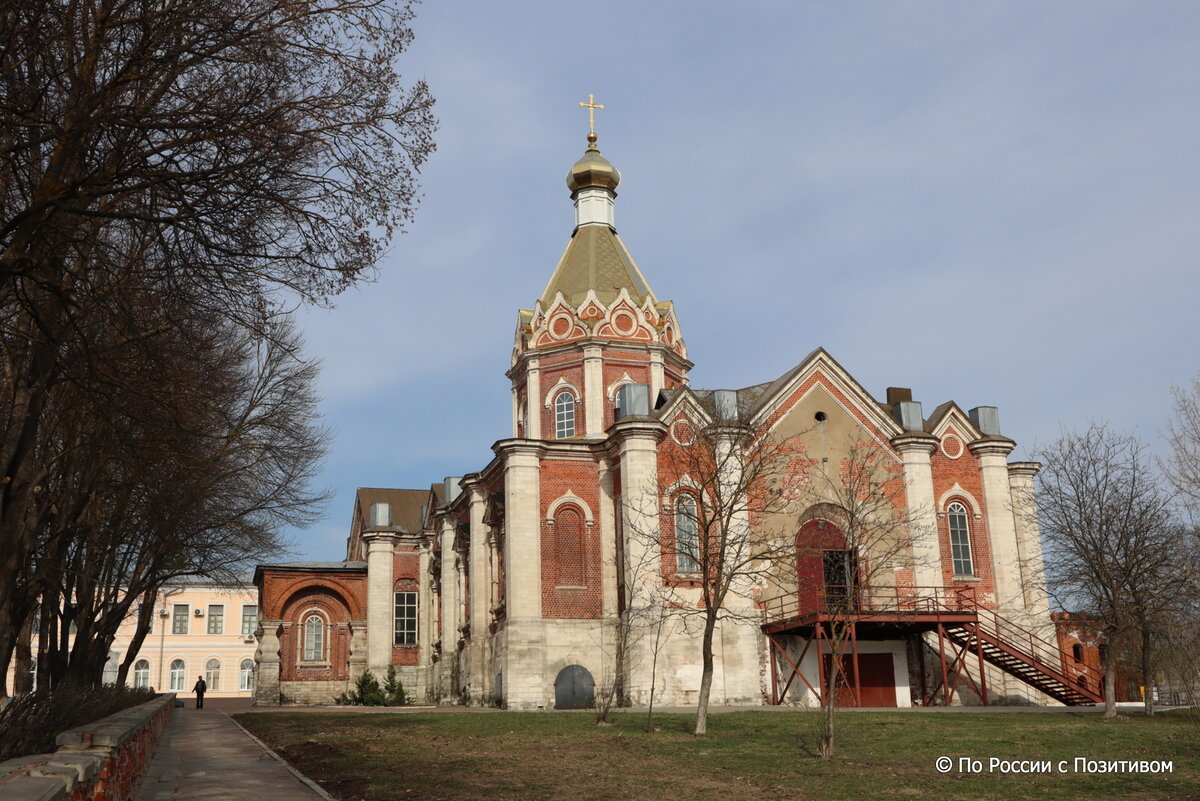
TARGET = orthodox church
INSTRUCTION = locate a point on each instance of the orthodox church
(510, 586)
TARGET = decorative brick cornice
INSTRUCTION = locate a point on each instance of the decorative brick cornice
(992, 446)
(911, 442)
(1024, 469)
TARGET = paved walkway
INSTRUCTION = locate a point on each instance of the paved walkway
(205, 756)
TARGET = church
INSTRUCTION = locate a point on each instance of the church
(510, 586)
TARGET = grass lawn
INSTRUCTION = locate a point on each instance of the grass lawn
(760, 755)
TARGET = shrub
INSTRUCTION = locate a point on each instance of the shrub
(30, 723)
(394, 689)
(367, 691)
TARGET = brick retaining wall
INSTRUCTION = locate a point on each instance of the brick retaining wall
(102, 761)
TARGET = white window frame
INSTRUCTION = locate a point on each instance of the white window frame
(253, 620)
(176, 617)
(141, 674)
(398, 636)
(178, 677)
(212, 674)
(687, 560)
(305, 639)
(220, 616)
(564, 417)
(962, 533)
(246, 675)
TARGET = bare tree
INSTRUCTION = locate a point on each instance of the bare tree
(714, 542)
(232, 158)
(1110, 540)
(1183, 435)
(859, 537)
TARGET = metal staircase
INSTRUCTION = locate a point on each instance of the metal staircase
(1021, 653)
(953, 613)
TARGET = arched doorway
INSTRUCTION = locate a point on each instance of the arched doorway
(826, 571)
(574, 688)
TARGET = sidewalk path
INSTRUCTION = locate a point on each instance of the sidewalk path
(205, 756)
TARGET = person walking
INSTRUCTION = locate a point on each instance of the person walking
(199, 691)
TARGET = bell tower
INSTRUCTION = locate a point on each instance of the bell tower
(597, 325)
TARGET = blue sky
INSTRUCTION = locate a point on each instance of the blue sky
(992, 202)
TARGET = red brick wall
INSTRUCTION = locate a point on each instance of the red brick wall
(965, 472)
(123, 763)
(571, 551)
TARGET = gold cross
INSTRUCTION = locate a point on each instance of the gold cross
(591, 106)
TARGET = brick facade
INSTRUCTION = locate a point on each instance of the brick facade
(523, 567)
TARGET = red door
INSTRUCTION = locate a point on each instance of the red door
(812, 541)
(877, 681)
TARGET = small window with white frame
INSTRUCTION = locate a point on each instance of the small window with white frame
(687, 552)
(141, 674)
(564, 415)
(246, 674)
(313, 638)
(960, 539)
(406, 619)
(249, 619)
(216, 618)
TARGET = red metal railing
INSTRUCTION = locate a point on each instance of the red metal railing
(836, 599)
(867, 601)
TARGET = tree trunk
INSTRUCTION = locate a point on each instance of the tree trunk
(1110, 686)
(1147, 673)
(23, 660)
(710, 624)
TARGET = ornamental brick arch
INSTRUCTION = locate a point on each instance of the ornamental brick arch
(277, 605)
(321, 596)
(821, 530)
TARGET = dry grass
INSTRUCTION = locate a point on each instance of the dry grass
(747, 754)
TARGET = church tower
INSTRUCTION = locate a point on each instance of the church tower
(597, 326)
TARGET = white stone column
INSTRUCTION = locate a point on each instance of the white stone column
(380, 602)
(266, 663)
(478, 573)
(593, 390)
(656, 374)
(1002, 532)
(608, 550)
(916, 451)
(640, 531)
(533, 401)
(426, 630)
(1029, 540)
(449, 582)
(522, 534)
(515, 412)
(524, 657)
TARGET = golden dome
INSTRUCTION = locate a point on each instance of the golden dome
(593, 170)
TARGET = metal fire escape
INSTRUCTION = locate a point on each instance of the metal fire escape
(966, 632)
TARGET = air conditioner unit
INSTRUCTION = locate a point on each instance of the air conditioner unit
(162, 612)
(198, 613)
(249, 638)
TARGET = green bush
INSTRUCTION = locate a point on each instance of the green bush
(394, 689)
(368, 692)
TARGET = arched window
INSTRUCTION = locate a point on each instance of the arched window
(687, 550)
(212, 674)
(960, 540)
(564, 415)
(246, 675)
(141, 674)
(570, 547)
(1077, 652)
(314, 638)
(177, 672)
